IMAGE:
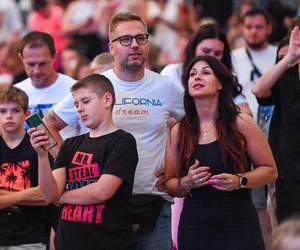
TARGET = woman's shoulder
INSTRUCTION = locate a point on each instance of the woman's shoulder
(245, 123)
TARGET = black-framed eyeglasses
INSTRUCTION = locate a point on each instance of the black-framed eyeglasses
(127, 39)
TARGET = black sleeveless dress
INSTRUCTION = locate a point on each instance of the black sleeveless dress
(218, 220)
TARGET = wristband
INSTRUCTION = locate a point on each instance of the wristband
(289, 63)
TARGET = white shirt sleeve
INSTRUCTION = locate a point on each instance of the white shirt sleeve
(239, 99)
(66, 110)
(176, 101)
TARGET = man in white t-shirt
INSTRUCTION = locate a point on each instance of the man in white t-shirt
(249, 64)
(144, 102)
(44, 86)
(256, 30)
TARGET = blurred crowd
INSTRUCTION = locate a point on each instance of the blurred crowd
(247, 36)
(79, 28)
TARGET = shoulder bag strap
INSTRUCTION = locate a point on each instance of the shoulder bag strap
(255, 70)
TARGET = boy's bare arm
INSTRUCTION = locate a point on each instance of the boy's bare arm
(54, 124)
(26, 197)
(97, 192)
(3, 192)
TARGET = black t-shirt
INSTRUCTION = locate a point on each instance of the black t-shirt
(284, 135)
(18, 171)
(105, 225)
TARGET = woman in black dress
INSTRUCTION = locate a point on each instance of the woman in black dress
(208, 162)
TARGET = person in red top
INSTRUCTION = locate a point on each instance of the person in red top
(47, 18)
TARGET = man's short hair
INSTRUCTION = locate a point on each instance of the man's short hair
(257, 12)
(36, 39)
(15, 95)
(124, 17)
(99, 83)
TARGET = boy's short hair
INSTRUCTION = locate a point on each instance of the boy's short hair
(99, 83)
(15, 95)
(124, 17)
(36, 39)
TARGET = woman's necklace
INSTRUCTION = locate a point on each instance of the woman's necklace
(204, 133)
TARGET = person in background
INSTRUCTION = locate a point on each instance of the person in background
(11, 27)
(287, 235)
(249, 63)
(83, 69)
(10, 22)
(46, 17)
(102, 62)
(280, 86)
(235, 26)
(254, 59)
(69, 60)
(208, 160)
(80, 26)
(44, 86)
(210, 39)
(22, 215)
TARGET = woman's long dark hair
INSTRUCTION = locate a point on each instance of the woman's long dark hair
(231, 140)
(211, 31)
(283, 42)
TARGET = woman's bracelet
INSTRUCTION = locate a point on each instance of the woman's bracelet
(289, 62)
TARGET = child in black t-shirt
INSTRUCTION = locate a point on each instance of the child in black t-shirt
(21, 214)
(93, 173)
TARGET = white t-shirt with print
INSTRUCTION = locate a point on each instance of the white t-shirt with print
(142, 108)
(41, 100)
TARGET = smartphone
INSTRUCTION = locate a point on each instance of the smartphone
(35, 120)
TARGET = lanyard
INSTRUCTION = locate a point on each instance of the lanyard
(255, 70)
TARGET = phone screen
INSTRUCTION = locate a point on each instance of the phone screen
(35, 120)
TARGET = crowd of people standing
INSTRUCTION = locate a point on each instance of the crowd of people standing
(131, 137)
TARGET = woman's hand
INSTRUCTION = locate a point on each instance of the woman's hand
(38, 139)
(225, 182)
(196, 177)
(293, 54)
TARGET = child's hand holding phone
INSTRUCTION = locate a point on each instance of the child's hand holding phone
(40, 136)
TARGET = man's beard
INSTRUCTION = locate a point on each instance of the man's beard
(133, 66)
(38, 81)
(256, 46)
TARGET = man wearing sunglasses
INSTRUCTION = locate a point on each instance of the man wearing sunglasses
(144, 102)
